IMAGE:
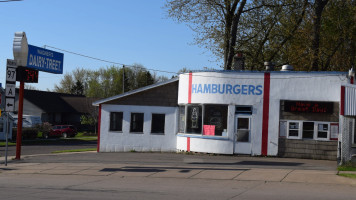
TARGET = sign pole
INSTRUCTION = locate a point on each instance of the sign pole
(7, 135)
(19, 122)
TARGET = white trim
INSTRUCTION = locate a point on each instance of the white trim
(316, 130)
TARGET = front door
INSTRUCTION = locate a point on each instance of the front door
(242, 137)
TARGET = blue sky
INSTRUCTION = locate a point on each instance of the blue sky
(123, 31)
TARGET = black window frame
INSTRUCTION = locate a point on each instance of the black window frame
(112, 122)
(157, 126)
(139, 122)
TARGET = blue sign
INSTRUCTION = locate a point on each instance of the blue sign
(45, 60)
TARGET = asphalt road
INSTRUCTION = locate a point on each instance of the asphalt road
(40, 174)
(53, 145)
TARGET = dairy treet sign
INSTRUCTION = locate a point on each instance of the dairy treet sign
(44, 60)
(37, 58)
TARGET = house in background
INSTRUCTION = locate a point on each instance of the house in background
(55, 108)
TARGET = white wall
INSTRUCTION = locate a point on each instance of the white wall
(299, 86)
(126, 141)
(321, 86)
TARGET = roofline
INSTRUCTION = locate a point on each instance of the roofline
(261, 72)
(97, 103)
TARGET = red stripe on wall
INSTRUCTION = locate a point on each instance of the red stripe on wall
(265, 119)
(188, 144)
(190, 87)
(99, 122)
(342, 101)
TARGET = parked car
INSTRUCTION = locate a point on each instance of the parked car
(62, 131)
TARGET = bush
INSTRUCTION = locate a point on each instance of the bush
(27, 133)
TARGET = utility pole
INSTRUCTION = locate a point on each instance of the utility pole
(123, 78)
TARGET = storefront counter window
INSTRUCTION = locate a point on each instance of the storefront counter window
(194, 119)
(307, 130)
(209, 119)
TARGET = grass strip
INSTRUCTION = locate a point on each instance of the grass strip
(75, 150)
(348, 175)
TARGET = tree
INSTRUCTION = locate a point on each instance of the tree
(78, 88)
(308, 34)
(106, 81)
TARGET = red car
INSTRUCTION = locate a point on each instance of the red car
(62, 131)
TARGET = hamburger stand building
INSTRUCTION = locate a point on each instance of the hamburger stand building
(273, 113)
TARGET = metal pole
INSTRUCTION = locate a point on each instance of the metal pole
(19, 122)
(7, 135)
(123, 79)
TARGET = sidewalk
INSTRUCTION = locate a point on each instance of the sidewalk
(181, 172)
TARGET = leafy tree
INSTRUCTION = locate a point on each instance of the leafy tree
(106, 81)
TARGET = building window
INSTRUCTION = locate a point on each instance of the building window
(116, 121)
(243, 129)
(157, 123)
(243, 110)
(181, 122)
(293, 130)
(323, 131)
(308, 130)
(2, 126)
(215, 118)
(194, 119)
(312, 130)
(136, 124)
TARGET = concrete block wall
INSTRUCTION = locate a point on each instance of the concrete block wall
(310, 149)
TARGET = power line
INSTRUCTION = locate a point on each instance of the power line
(196, 75)
(107, 61)
(9, 1)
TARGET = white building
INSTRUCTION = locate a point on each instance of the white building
(290, 114)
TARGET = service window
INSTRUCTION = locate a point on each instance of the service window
(293, 130)
(116, 121)
(323, 131)
(216, 117)
(181, 121)
(243, 129)
(194, 119)
(308, 130)
(157, 123)
(136, 123)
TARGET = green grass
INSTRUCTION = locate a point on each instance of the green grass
(348, 175)
(75, 150)
(2, 144)
(347, 167)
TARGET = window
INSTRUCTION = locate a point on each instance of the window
(312, 130)
(181, 122)
(323, 131)
(136, 124)
(157, 123)
(116, 121)
(243, 129)
(2, 126)
(308, 130)
(243, 110)
(293, 129)
(194, 119)
(215, 116)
